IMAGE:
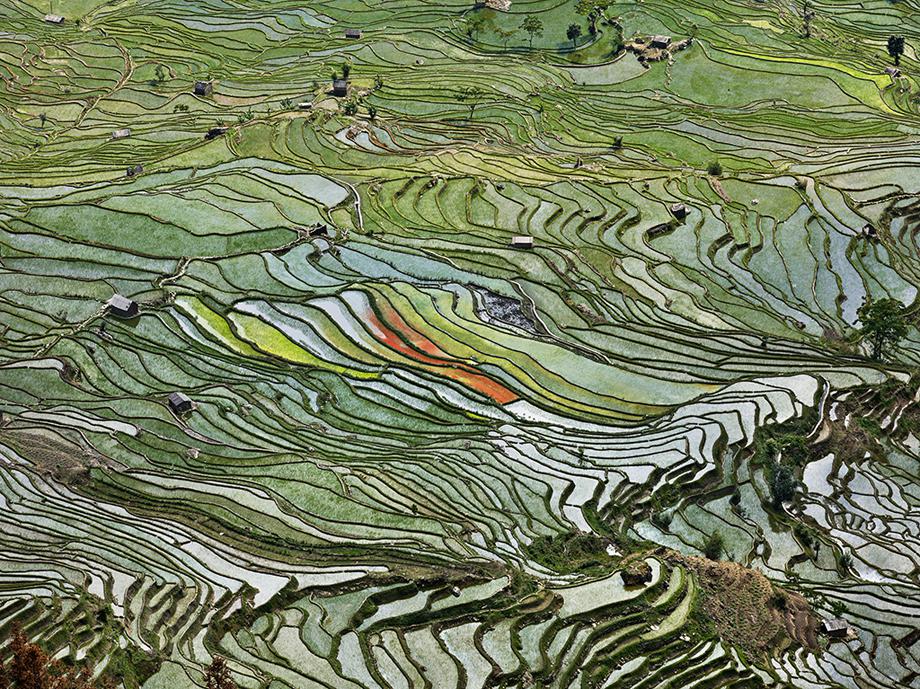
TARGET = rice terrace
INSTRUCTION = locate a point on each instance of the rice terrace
(440, 344)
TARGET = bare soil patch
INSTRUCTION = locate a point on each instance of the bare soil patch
(748, 610)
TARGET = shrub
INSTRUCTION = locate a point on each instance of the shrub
(714, 546)
(662, 519)
(844, 562)
(778, 601)
(568, 552)
(807, 536)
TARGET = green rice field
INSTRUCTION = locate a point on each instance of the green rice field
(420, 455)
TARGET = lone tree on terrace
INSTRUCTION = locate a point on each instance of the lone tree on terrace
(504, 35)
(472, 96)
(593, 10)
(884, 324)
(896, 48)
(217, 676)
(533, 27)
(573, 32)
(782, 484)
(475, 24)
(807, 15)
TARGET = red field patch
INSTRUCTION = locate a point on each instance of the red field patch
(403, 338)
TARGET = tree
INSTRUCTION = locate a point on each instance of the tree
(472, 96)
(714, 168)
(346, 69)
(572, 33)
(662, 519)
(533, 26)
(475, 24)
(792, 447)
(782, 484)
(884, 324)
(32, 668)
(714, 546)
(29, 667)
(896, 48)
(617, 34)
(372, 112)
(844, 562)
(218, 676)
(505, 34)
(593, 10)
(807, 15)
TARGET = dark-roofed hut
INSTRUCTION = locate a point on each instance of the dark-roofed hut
(679, 211)
(122, 307)
(352, 33)
(835, 627)
(204, 88)
(893, 72)
(339, 87)
(869, 231)
(214, 132)
(135, 170)
(661, 42)
(179, 403)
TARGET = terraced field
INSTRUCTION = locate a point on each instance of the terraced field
(419, 456)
